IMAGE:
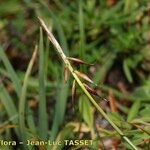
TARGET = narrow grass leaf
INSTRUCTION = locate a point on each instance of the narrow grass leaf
(85, 109)
(9, 105)
(61, 35)
(134, 110)
(82, 32)
(127, 6)
(127, 71)
(12, 74)
(10, 7)
(22, 101)
(62, 94)
(43, 124)
(47, 51)
(30, 120)
(100, 75)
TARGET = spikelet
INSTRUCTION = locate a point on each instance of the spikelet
(90, 90)
(78, 61)
(73, 91)
(82, 75)
(66, 73)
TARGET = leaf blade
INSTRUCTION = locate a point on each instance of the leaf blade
(43, 125)
(11, 72)
(85, 109)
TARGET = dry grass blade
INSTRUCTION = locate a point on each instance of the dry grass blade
(112, 101)
(53, 40)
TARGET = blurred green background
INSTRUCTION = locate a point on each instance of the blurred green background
(114, 35)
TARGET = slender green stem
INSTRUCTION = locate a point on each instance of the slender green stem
(67, 63)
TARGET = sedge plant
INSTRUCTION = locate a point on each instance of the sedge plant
(80, 83)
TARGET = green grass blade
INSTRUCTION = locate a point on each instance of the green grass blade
(8, 7)
(127, 5)
(103, 69)
(8, 102)
(9, 105)
(85, 110)
(43, 124)
(82, 33)
(134, 110)
(22, 101)
(47, 58)
(60, 32)
(59, 109)
(30, 121)
(127, 71)
(11, 72)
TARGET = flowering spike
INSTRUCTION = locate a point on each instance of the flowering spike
(84, 76)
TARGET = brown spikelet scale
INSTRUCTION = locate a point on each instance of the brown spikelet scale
(83, 76)
(91, 90)
(73, 91)
(66, 73)
(94, 92)
(78, 61)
